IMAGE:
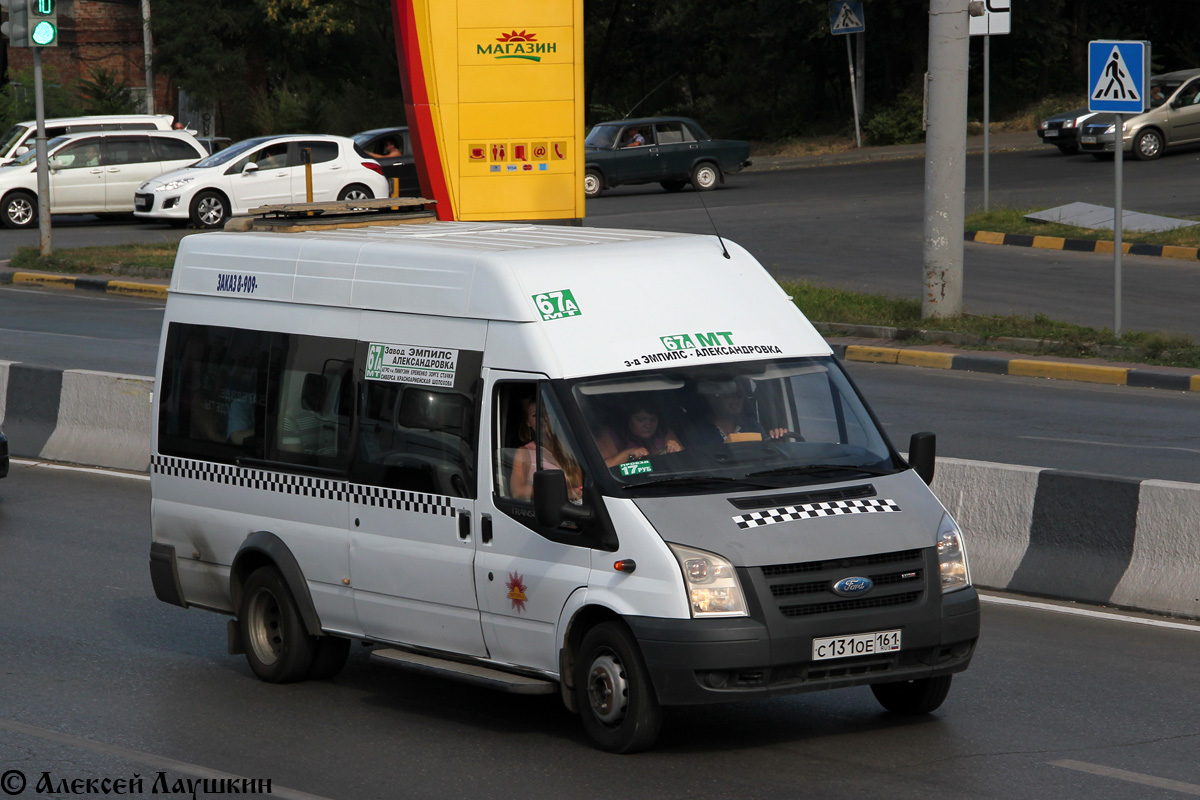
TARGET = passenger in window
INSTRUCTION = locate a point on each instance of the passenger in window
(555, 455)
(387, 149)
(301, 428)
(725, 415)
(634, 138)
(639, 437)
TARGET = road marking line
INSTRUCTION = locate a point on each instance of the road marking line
(1110, 444)
(149, 759)
(92, 470)
(1132, 777)
(1084, 612)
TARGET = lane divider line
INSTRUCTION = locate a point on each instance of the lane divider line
(1109, 616)
(1131, 777)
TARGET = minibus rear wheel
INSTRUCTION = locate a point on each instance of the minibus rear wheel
(913, 697)
(614, 691)
(278, 647)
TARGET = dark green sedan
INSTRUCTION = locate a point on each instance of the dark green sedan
(670, 151)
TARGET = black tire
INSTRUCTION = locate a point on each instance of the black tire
(278, 647)
(1068, 149)
(356, 191)
(1103, 156)
(706, 176)
(593, 183)
(673, 186)
(209, 209)
(1148, 145)
(614, 692)
(913, 697)
(20, 210)
(329, 658)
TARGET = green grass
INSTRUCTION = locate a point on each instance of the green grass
(128, 259)
(1012, 220)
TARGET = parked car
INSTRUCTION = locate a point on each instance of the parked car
(3, 456)
(670, 151)
(1062, 130)
(1173, 119)
(401, 166)
(20, 138)
(260, 171)
(214, 144)
(92, 173)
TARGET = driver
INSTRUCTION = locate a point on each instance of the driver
(725, 415)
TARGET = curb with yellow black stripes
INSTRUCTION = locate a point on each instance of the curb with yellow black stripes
(107, 285)
(1025, 367)
(1083, 245)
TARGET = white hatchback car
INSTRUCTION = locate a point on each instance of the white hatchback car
(260, 171)
(92, 173)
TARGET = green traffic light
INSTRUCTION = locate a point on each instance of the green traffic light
(44, 33)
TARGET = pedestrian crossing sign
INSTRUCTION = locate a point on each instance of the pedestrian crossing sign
(846, 16)
(1118, 76)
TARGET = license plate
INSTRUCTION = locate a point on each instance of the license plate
(859, 644)
(1088, 139)
(1051, 132)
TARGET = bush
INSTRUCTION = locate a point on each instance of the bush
(899, 123)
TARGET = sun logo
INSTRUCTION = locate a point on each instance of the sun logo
(516, 591)
(523, 36)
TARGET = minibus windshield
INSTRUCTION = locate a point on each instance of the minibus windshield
(759, 423)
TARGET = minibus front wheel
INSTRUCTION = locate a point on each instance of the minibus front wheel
(919, 696)
(278, 647)
(614, 691)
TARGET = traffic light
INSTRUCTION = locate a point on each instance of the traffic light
(43, 23)
(16, 29)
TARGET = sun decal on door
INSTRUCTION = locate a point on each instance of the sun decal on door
(516, 591)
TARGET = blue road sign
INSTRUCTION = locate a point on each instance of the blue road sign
(1118, 76)
(846, 16)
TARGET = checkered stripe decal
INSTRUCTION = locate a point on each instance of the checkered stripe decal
(303, 485)
(811, 510)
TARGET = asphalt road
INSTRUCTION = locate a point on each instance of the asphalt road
(100, 680)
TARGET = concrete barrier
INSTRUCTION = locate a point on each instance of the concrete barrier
(76, 416)
(1044, 532)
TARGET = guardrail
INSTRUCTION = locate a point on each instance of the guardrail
(1045, 532)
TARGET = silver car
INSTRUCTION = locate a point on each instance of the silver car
(1173, 119)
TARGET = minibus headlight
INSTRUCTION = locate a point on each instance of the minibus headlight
(711, 583)
(952, 557)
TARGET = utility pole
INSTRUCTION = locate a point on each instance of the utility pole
(945, 158)
(148, 47)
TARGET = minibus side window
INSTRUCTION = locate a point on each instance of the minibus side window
(419, 437)
(214, 392)
(311, 393)
(530, 434)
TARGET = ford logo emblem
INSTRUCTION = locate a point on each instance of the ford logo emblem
(852, 586)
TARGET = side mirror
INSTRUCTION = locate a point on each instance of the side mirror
(550, 505)
(922, 451)
(55, 164)
(22, 150)
(250, 167)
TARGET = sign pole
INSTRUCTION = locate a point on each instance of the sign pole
(1118, 220)
(853, 93)
(45, 248)
(987, 122)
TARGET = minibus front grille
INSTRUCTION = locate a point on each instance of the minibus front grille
(851, 605)
(897, 578)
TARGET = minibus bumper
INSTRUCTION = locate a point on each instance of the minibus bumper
(696, 661)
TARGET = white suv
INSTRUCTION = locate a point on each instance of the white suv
(92, 173)
(255, 172)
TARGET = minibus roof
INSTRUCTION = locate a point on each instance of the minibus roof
(585, 286)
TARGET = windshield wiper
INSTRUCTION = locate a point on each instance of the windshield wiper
(696, 480)
(809, 468)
